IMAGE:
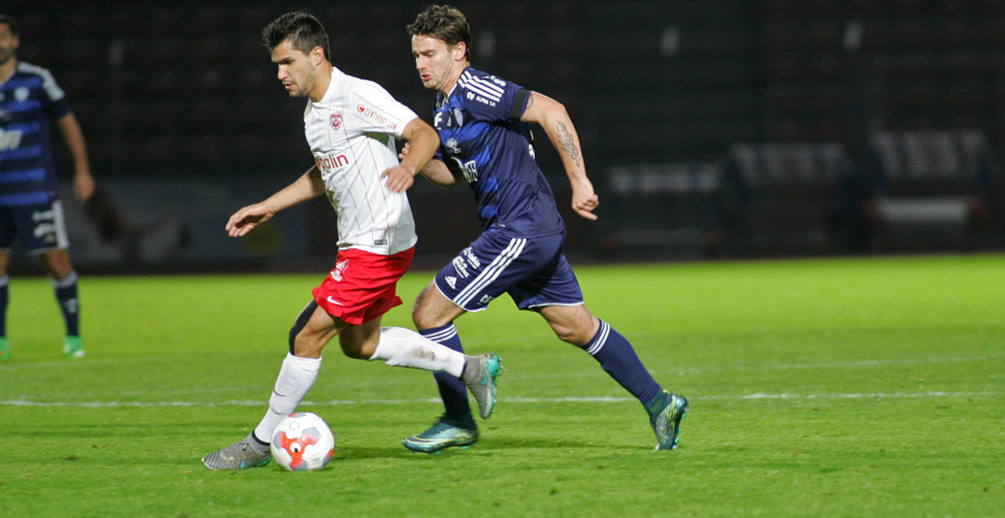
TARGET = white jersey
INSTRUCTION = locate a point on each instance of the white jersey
(352, 132)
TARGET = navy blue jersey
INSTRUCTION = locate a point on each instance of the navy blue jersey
(481, 134)
(30, 101)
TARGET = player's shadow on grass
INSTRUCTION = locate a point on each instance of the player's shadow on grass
(483, 447)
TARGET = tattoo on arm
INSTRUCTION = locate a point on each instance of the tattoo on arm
(566, 142)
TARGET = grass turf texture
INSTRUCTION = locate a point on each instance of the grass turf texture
(850, 387)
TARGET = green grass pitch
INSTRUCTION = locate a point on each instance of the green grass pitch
(826, 387)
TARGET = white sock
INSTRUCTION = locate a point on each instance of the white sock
(296, 377)
(406, 348)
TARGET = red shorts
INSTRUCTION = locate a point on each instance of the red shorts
(361, 287)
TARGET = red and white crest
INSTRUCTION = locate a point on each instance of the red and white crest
(336, 120)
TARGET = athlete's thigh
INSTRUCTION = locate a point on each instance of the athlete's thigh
(360, 341)
(573, 324)
(319, 329)
(433, 309)
(57, 263)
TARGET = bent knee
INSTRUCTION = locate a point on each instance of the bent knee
(577, 337)
(425, 319)
(432, 310)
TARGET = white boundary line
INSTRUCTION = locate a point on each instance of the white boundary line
(604, 399)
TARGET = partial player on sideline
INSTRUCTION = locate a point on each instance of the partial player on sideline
(30, 206)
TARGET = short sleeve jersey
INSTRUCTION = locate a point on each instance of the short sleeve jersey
(30, 101)
(351, 132)
(481, 134)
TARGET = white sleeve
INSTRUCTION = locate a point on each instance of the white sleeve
(375, 110)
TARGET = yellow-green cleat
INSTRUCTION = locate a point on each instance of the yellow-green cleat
(4, 348)
(73, 347)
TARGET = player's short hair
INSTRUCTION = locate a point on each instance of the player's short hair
(12, 23)
(302, 29)
(445, 23)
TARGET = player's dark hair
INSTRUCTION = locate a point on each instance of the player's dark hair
(12, 23)
(302, 29)
(444, 23)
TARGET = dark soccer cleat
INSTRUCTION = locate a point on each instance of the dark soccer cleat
(444, 433)
(666, 411)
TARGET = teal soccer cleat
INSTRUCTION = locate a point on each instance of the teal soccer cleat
(666, 411)
(482, 382)
(444, 433)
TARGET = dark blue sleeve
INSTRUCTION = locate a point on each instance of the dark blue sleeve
(58, 109)
(490, 98)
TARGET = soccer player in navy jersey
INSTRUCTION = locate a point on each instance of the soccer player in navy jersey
(486, 140)
(30, 207)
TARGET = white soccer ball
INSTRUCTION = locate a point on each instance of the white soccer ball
(302, 441)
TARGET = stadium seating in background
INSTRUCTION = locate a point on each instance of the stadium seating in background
(789, 198)
(662, 209)
(929, 190)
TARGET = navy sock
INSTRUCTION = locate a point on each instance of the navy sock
(4, 298)
(452, 390)
(618, 358)
(66, 295)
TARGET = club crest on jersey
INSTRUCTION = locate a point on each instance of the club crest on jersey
(453, 146)
(336, 120)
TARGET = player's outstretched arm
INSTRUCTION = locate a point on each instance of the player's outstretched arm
(421, 142)
(437, 172)
(557, 124)
(308, 186)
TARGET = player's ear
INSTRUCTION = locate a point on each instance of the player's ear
(459, 51)
(317, 55)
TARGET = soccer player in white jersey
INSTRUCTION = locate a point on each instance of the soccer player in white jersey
(30, 207)
(483, 123)
(351, 126)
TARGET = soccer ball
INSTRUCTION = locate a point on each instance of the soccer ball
(302, 441)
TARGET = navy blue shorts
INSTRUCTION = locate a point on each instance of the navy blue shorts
(533, 270)
(40, 227)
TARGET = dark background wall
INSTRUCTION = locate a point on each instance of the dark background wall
(184, 91)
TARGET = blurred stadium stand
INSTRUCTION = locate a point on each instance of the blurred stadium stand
(789, 199)
(184, 90)
(663, 209)
(929, 188)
